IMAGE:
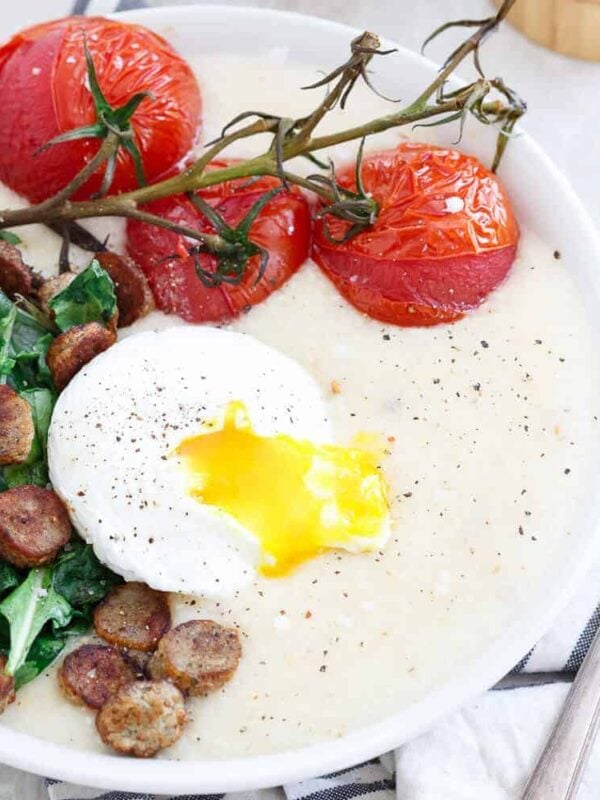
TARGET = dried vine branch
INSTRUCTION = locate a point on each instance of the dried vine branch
(490, 101)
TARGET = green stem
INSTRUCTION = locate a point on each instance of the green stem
(7, 336)
(215, 244)
(125, 205)
(469, 46)
(299, 142)
(107, 148)
(305, 183)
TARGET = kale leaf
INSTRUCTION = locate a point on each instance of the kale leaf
(10, 577)
(51, 605)
(24, 342)
(34, 470)
(41, 608)
(27, 609)
(80, 578)
(90, 297)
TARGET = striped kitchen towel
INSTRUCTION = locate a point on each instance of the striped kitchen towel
(483, 752)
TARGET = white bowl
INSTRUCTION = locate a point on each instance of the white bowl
(545, 203)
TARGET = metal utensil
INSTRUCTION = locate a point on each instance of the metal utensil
(559, 770)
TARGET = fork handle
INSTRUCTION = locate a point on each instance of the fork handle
(559, 770)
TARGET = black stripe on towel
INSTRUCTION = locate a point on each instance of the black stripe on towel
(583, 643)
(352, 769)
(348, 791)
(523, 662)
(199, 797)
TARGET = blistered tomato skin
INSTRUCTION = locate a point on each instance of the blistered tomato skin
(283, 228)
(44, 92)
(445, 237)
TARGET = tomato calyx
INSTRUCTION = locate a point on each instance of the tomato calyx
(357, 207)
(232, 247)
(115, 120)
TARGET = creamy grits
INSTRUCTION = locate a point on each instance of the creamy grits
(488, 424)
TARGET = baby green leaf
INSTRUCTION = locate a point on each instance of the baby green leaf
(90, 297)
(10, 237)
(27, 609)
(42, 653)
(34, 470)
(7, 324)
(23, 474)
(9, 577)
(23, 346)
(41, 402)
(80, 577)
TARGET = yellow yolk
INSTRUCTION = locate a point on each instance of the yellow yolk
(296, 497)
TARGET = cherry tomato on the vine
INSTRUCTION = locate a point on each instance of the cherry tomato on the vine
(44, 92)
(445, 237)
(282, 228)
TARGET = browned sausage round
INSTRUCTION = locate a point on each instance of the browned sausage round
(94, 672)
(16, 427)
(34, 525)
(74, 348)
(53, 286)
(142, 718)
(134, 298)
(199, 656)
(7, 686)
(15, 276)
(134, 616)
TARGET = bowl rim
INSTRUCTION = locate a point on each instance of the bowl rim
(161, 776)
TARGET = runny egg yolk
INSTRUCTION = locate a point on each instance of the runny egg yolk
(296, 497)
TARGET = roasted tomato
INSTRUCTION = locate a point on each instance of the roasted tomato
(445, 237)
(44, 93)
(282, 228)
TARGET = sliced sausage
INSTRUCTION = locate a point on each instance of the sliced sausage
(134, 298)
(7, 686)
(34, 525)
(142, 718)
(16, 427)
(134, 616)
(92, 673)
(199, 656)
(74, 348)
(15, 276)
(51, 287)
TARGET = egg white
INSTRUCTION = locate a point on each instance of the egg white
(116, 425)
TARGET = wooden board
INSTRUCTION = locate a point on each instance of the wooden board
(568, 26)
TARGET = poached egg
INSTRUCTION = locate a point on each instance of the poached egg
(195, 457)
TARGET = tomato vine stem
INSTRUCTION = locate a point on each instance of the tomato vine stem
(490, 101)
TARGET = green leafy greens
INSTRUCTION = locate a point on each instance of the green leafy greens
(90, 297)
(52, 604)
(27, 609)
(80, 577)
(10, 237)
(34, 470)
(24, 342)
(9, 578)
(41, 608)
